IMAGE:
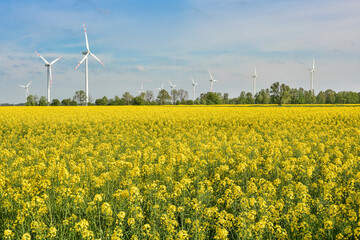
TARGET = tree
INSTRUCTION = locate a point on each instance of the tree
(55, 102)
(249, 98)
(66, 102)
(321, 98)
(262, 97)
(280, 94)
(138, 100)
(174, 95)
(43, 101)
(127, 98)
(80, 97)
(149, 96)
(212, 98)
(242, 98)
(330, 96)
(310, 98)
(226, 98)
(31, 100)
(183, 95)
(163, 97)
(101, 101)
(117, 101)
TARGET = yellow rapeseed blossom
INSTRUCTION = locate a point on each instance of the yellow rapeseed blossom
(180, 172)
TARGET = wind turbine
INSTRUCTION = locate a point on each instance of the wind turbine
(26, 87)
(194, 86)
(87, 53)
(172, 86)
(161, 88)
(49, 74)
(312, 70)
(211, 81)
(141, 90)
(254, 82)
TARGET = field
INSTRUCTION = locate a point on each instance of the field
(179, 172)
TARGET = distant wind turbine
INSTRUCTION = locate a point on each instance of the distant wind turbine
(254, 82)
(312, 70)
(211, 81)
(87, 53)
(26, 87)
(172, 86)
(141, 90)
(194, 84)
(49, 74)
(161, 88)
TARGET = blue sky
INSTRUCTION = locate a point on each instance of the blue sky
(151, 42)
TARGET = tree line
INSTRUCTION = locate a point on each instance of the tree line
(277, 94)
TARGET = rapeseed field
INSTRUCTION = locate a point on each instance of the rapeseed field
(179, 172)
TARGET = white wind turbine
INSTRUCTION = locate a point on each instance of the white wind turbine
(141, 90)
(87, 53)
(172, 86)
(26, 87)
(254, 82)
(49, 74)
(312, 70)
(211, 81)
(161, 88)
(194, 84)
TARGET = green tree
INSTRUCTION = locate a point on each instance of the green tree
(330, 96)
(163, 97)
(31, 101)
(66, 102)
(139, 100)
(55, 102)
(102, 101)
(321, 98)
(310, 98)
(80, 97)
(249, 98)
(43, 101)
(127, 98)
(242, 98)
(280, 94)
(226, 98)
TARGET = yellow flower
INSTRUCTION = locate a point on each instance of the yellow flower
(8, 234)
(26, 236)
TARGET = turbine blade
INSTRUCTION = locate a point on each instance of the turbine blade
(86, 39)
(97, 59)
(29, 84)
(21, 85)
(55, 60)
(42, 58)
(313, 63)
(192, 80)
(82, 61)
(210, 75)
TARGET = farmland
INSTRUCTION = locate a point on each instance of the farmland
(167, 172)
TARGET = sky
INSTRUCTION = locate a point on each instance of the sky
(150, 42)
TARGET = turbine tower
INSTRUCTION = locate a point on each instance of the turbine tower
(312, 70)
(26, 87)
(194, 86)
(87, 53)
(172, 86)
(49, 74)
(211, 81)
(254, 82)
